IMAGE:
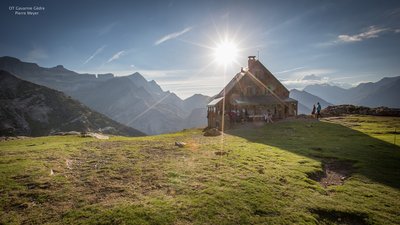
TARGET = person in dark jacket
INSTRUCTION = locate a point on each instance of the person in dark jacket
(313, 111)
(318, 110)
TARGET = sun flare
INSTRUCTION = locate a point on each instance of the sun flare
(226, 52)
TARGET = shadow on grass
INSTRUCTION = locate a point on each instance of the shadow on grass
(375, 159)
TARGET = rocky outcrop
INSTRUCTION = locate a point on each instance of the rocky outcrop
(212, 132)
(338, 110)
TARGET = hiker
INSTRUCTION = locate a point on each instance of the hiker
(313, 111)
(230, 116)
(246, 115)
(318, 110)
(269, 117)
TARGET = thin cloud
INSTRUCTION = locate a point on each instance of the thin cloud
(311, 77)
(116, 56)
(172, 36)
(290, 70)
(342, 81)
(303, 77)
(301, 83)
(317, 72)
(99, 50)
(372, 32)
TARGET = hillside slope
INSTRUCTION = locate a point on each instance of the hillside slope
(306, 101)
(385, 92)
(330, 93)
(267, 174)
(130, 100)
(380, 97)
(33, 110)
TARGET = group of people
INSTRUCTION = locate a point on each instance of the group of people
(316, 111)
(237, 116)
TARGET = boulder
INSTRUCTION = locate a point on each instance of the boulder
(212, 132)
(180, 144)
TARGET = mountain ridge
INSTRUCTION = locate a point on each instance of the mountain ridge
(34, 110)
(129, 99)
(306, 101)
(384, 92)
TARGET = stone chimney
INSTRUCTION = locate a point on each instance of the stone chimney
(252, 60)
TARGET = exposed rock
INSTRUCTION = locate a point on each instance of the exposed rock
(94, 135)
(212, 132)
(10, 138)
(66, 133)
(180, 144)
(334, 172)
(100, 136)
(338, 110)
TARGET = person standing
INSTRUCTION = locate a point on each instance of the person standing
(313, 111)
(269, 117)
(318, 110)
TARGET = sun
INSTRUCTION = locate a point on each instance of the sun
(226, 52)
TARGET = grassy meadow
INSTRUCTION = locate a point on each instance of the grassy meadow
(268, 174)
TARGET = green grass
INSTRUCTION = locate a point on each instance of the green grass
(262, 179)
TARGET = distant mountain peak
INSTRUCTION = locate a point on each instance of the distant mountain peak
(137, 77)
(296, 90)
(12, 65)
(14, 61)
(197, 96)
(9, 58)
(122, 98)
(384, 92)
(136, 74)
(59, 68)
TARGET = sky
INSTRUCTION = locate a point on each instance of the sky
(342, 43)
